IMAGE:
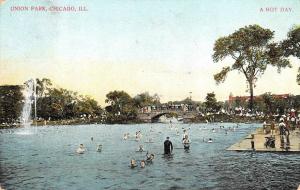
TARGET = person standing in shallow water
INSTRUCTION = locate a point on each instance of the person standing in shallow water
(168, 146)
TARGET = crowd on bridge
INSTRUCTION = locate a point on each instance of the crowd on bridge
(168, 107)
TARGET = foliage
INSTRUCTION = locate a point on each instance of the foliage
(268, 100)
(121, 108)
(291, 46)
(10, 103)
(259, 105)
(42, 86)
(59, 103)
(64, 104)
(270, 104)
(145, 99)
(187, 101)
(238, 102)
(252, 51)
(296, 103)
(298, 76)
(211, 103)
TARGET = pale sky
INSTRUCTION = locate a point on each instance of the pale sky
(162, 47)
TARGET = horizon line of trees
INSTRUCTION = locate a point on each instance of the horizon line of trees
(59, 104)
(52, 103)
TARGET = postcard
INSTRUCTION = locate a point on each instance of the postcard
(149, 94)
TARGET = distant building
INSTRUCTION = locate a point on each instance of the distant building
(232, 98)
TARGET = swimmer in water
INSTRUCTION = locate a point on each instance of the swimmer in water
(186, 143)
(143, 163)
(81, 149)
(92, 138)
(99, 148)
(141, 148)
(138, 135)
(125, 137)
(151, 129)
(168, 146)
(149, 157)
(133, 163)
(210, 140)
(184, 134)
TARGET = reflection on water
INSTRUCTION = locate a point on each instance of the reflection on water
(47, 159)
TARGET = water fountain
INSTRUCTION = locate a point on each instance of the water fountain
(29, 93)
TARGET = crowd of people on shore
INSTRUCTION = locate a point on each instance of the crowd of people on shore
(290, 122)
(282, 125)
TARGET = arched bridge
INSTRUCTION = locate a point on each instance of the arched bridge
(154, 116)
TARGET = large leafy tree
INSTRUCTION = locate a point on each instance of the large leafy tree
(121, 108)
(145, 99)
(88, 106)
(252, 51)
(211, 103)
(10, 103)
(56, 104)
(65, 104)
(291, 45)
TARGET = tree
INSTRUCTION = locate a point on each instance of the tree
(238, 101)
(156, 99)
(259, 105)
(297, 102)
(268, 101)
(57, 106)
(280, 105)
(65, 104)
(211, 103)
(252, 52)
(42, 86)
(54, 103)
(145, 99)
(298, 76)
(291, 45)
(11, 98)
(88, 106)
(121, 108)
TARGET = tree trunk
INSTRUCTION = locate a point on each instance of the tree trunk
(251, 96)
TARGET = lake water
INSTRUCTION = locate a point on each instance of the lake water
(47, 159)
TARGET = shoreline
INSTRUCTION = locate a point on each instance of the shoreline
(202, 120)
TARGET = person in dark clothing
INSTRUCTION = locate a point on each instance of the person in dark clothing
(168, 147)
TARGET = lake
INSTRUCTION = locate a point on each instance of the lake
(46, 159)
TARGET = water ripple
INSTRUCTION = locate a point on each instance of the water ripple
(47, 160)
